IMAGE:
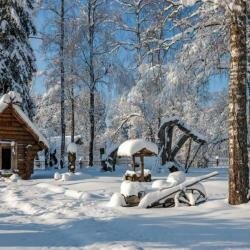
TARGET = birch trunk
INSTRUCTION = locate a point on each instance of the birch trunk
(92, 128)
(248, 69)
(72, 116)
(238, 159)
(91, 31)
(62, 72)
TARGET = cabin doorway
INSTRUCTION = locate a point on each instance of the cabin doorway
(6, 158)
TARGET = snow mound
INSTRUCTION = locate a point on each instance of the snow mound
(79, 174)
(130, 147)
(50, 187)
(72, 148)
(117, 200)
(159, 184)
(129, 188)
(73, 194)
(176, 178)
(14, 178)
(15, 201)
(113, 246)
(67, 177)
(57, 176)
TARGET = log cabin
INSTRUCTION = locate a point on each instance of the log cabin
(20, 140)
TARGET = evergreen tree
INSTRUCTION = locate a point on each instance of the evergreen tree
(16, 55)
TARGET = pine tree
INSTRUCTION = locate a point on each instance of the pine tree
(16, 55)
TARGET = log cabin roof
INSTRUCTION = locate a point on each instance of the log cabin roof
(13, 100)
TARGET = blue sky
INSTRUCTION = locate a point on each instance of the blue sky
(39, 86)
(216, 83)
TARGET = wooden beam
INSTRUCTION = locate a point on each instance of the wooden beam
(142, 168)
(133, 162)
(189, 165)
(178, 146)
(188, 152)
(168, 143)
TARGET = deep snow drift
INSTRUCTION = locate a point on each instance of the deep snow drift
(44, 213)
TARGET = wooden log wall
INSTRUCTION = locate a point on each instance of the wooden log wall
(12, 129)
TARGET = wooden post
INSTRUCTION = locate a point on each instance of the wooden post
(29, 156)
(133, 162)
(168, 144)
(188, 152)
(142, 168)
(191, 162)
(71, 162)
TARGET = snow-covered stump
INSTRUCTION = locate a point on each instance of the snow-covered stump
(71, 150)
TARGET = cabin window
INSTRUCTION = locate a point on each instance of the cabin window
(6, 158)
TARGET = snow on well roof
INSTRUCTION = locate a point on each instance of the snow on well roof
(130, 147)
(15, 98)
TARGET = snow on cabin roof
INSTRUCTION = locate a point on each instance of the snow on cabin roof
(131, 147)
(14, 98)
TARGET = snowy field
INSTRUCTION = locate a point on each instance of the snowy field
(46, 214)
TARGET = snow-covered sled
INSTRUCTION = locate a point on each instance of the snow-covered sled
(190, 192)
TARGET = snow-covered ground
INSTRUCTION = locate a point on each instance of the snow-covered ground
(43, 213)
